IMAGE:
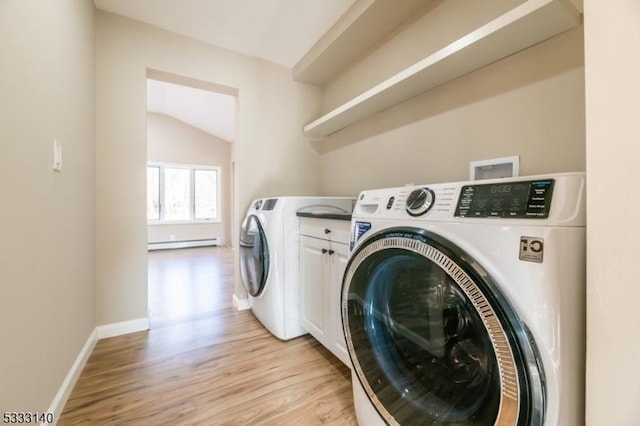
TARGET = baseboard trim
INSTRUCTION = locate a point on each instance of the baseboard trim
(100, 332)
(124, 327)
(240, 304)
(163, 245)
(59, 401)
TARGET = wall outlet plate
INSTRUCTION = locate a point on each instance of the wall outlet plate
(495, 168)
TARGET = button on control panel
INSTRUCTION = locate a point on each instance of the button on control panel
(390, 202)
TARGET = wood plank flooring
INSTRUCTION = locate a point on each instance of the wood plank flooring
(204, 363)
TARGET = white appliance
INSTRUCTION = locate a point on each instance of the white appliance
(464, 303)
(269, 258)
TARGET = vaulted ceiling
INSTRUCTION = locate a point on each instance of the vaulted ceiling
(211, 112)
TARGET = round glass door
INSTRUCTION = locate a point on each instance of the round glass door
(254, 256)
(431, 340)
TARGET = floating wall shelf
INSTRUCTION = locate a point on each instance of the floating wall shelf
(521, 27)
(365, 24)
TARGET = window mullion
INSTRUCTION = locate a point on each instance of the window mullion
(161, 197)
(192, 188)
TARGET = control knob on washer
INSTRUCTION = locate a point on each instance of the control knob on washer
(420, 201)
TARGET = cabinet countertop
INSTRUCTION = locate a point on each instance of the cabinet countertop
(334, 216)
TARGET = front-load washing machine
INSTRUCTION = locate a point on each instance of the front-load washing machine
(269, 258)
(464, 303)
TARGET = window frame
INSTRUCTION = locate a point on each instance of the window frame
(192, 168)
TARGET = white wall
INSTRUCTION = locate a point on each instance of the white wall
(612, 67)
(173, 141)
(271, 155)
(47, 268)
(530, 104)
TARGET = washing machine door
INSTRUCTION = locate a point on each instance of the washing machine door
(254, 256)
(432, 340)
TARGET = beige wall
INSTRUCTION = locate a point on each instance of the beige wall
(612, 67)
(530, 104)
(271, 155)
(173, 141)
(47, 269)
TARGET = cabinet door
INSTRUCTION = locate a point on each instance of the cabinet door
(313, 276)
(339, 260)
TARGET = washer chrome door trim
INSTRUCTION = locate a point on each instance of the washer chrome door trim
(254, 256)
(519, 379)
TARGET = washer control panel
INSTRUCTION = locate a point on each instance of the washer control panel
(513, 200)
(420, 201)
(528, 199)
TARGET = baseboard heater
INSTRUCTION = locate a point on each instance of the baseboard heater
(164, 245)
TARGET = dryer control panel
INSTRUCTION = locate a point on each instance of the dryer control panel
(517, 200)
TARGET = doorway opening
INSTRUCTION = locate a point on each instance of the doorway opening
(191, 132)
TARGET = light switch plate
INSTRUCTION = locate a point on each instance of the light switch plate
(57, 156)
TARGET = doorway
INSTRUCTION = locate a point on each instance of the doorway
(191, 126)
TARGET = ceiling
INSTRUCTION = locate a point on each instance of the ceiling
(280, 31)
(211, 112)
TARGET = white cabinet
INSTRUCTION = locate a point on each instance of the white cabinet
(314, 266)
(324, 252)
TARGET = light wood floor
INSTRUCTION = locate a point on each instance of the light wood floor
(204, 363)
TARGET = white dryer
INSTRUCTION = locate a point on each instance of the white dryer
(269, 256)
(464, 303)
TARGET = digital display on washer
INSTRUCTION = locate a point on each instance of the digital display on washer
(517, 200)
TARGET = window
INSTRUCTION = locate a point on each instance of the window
(182, 193)
(153, 193)
(177, 194)
(205, 194)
